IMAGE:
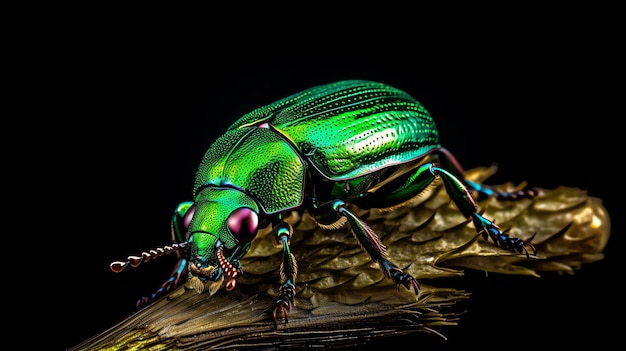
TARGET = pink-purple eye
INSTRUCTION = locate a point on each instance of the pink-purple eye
(188, 216)
(243, 223)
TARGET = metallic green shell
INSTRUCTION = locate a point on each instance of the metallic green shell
(350, 128)
(345, 130)
(257, 161)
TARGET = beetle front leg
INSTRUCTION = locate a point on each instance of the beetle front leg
(179, 275)
(288, 270)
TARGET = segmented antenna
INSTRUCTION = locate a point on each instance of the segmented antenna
(229, 271)
(134, 261)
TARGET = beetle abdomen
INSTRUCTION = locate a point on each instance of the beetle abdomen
(351, 128)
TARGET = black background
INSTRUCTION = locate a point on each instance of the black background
(134, 114)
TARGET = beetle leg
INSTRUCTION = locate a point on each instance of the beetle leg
(404, 188)
(449, 162)
(459, 193)
(485, 191)
(288, 271)
(371, 243)
(397, 191)
(178, 275)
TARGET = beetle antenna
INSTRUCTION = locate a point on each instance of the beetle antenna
(134, 261)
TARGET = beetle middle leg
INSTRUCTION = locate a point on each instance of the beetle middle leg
(372, 244)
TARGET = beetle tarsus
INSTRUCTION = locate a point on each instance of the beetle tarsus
(517, 195)
(285, 301)
(488, 229)
(485, 191)
(399, 276)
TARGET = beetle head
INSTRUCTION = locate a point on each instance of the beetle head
(221, 224)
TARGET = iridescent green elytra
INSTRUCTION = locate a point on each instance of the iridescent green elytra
(350, 142)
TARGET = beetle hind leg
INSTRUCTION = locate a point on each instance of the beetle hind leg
(406, 187)
(448, 161)
(459, 193)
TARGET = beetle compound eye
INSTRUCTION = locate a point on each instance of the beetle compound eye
(243, 223)
(188, 216)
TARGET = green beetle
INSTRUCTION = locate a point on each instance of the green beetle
(350, 142)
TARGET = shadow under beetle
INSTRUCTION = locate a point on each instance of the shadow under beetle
(358, 142)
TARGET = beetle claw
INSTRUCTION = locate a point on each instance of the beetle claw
(410, 282)
(284, 308)
(284, 302)
(399, 276)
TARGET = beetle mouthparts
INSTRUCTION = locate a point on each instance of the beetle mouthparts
(201, 272)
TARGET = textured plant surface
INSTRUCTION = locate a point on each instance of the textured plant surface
(342, 296)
